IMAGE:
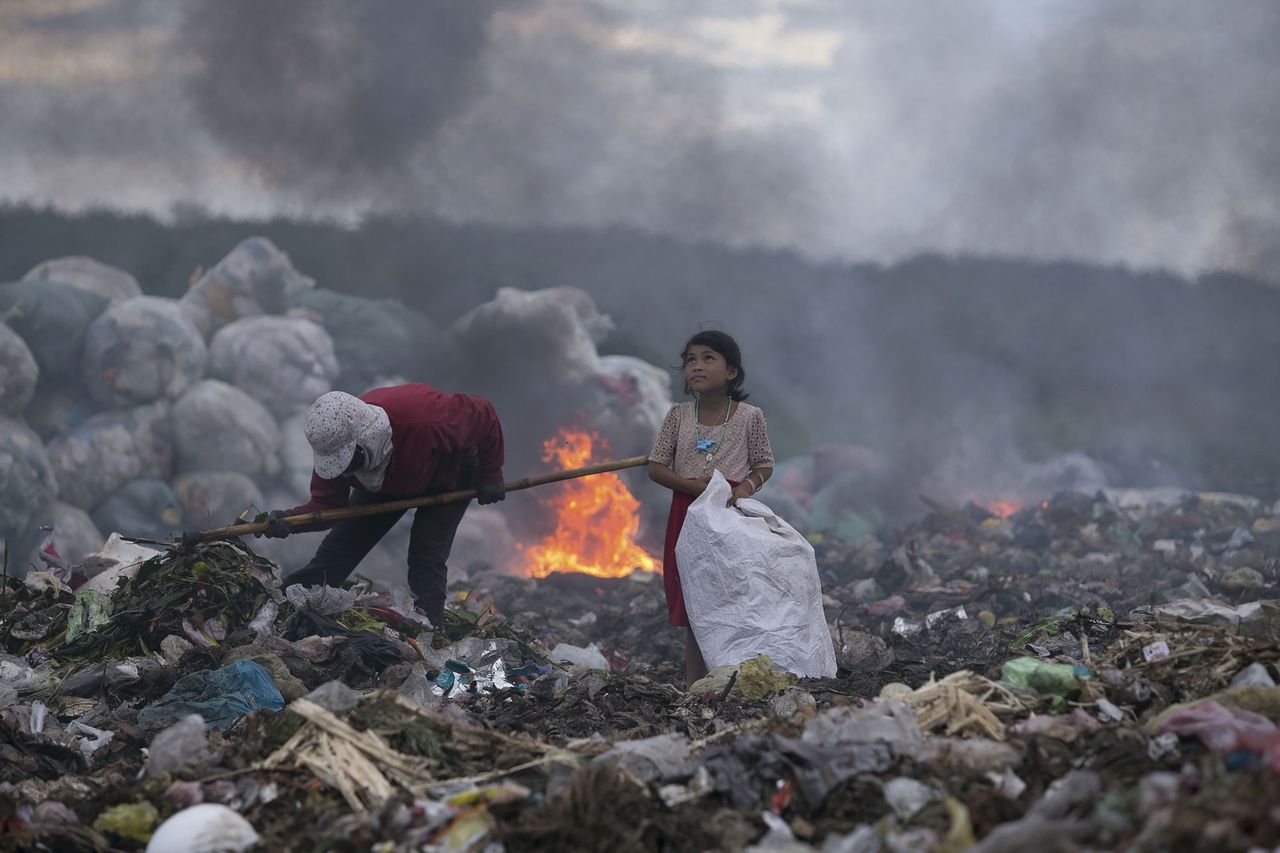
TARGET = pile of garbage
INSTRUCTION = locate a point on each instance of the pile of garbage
(149, 417)
(1091, 671)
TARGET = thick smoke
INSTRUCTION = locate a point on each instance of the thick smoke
(326, 94)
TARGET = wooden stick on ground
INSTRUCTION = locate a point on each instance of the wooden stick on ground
(413, 503)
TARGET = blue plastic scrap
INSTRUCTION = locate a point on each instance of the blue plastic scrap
(221, 696)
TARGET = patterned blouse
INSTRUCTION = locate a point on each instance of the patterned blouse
(746, 443)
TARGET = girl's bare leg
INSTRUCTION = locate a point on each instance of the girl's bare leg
(694, 666)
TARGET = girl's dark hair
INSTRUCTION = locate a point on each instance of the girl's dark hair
(724, 344)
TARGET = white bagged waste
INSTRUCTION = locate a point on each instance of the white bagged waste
(215, 498)
(18, 372)
(285, 362)
(89, 275)
(254, 278)
(110, 449)
(144, 507)
(216, 426)
(140, 350)
(27, 480)
(70, 531)
(751, 586)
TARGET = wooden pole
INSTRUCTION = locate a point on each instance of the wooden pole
(413, 503)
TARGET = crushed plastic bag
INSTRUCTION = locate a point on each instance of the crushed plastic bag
(214, 498)
(1056, 679)
(87, 274)
(89, 610)
(24, 678)
(751, 586)
(254, 278)
(144, 508)
(218, 427)
(52, 317)
(887, 721)
(110, 449)
(1224, 729)
(321, 600)
(650, 760)
(181, 748)
(19, 373)
(284, 362)
(589, 658)
(140, 350)
(27, 479)
(220, 696)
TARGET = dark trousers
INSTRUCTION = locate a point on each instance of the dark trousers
(430, 541)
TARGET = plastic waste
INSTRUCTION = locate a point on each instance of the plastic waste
(1208, 612)
(181, 748)
(204, 828)
(27, 480)
(334, 696)
(589, 658)
(57, 408)
(906, 796)
(52, 318)
(885, 721)
(89, 610)
(145, 507)
(133, 821)
(1254, 675)
(19, 373)
(214, 498)
(1058, 679)
(651, 759)
(321, 600)
(283, 362)
(254, 278)
(109, 450)
(24, 678)
(87, 274)
(220, 696)
(90, 739)
(371, 337)
(63, 530)
(218, 427)
(116, 561)
(141, 350)
(1224, 729)
(752, 587)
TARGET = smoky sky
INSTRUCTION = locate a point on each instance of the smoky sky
(1138, 132)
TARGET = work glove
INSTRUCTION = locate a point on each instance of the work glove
(490, 493)
(276, 528)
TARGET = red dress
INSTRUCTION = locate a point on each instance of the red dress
(676, 614)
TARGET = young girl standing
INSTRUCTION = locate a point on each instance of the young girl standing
(716, 431)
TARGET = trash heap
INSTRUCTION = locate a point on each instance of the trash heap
(149, 417)
(1095, 671)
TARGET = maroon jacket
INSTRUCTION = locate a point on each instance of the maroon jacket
(431, 434)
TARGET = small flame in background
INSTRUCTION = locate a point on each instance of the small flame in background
(596, 517)
(1003, 509)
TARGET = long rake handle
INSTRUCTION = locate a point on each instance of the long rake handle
(413, 503)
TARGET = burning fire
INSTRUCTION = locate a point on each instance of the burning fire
(1003, 509)
(596, 517)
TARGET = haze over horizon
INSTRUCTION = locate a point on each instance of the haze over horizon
(1132, 133)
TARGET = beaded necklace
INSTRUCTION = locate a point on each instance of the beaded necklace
(709, 446)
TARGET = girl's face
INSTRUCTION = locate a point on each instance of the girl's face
(706, 370)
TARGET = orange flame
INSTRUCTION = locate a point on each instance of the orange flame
(596, 518)
(1003, 509)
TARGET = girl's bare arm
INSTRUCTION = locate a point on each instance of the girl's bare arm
(664, 476)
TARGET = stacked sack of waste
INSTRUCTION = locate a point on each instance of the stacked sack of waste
(131, 413)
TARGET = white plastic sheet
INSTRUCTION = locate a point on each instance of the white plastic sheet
(751, 586)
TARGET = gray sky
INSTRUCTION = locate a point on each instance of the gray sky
(1141, 133)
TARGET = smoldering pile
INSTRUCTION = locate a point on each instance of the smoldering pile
(133, 414)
